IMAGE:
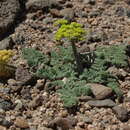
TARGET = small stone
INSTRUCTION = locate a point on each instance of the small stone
(102, 103)
(12, 82)
(100, 91)
(64, 113)
(40, 84)
(121, 113)
(64, 123)
(21, 122)
(5, 105)
(7, 43)
(67, 13)
(92, 2)
(19, 105)
(55, 12)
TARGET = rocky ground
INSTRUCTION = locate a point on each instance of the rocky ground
(29, 23)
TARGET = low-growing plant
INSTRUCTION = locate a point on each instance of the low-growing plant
(61, 64)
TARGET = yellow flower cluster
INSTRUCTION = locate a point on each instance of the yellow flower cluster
(5, 56)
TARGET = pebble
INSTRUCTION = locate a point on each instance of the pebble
(121, 113)
(7, 43)
(21, 122)
(67, 13)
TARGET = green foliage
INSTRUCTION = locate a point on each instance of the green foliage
(73, 89)
(61, 64)
(106, 57)
(113, 55)
(34, 57)
(72, 31)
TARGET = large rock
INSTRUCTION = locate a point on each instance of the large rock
(9, 10)
(100, 91)
(33, 5)
(102, 103)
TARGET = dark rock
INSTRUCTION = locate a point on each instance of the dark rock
(23, 76)
(100, 91)
(9, 10)
(5, 122)
(33, 5)
(7, 43)
(63, 123)
(121, 113)
(102, 103)
(110, 2)
(5, 105)
(120, 11)
(25, 93)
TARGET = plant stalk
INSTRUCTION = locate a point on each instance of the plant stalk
(77, 58)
